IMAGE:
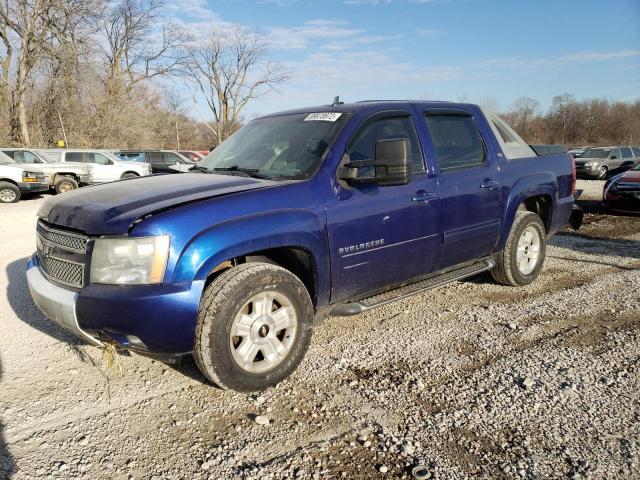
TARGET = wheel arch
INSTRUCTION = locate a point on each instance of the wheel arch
(9, 180)
(293, 240)
(58, 175)
(535, 193)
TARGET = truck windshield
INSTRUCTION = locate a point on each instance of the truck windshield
(281, 147)
(596, 153)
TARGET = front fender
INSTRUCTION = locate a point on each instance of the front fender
(542, 183)
(245, 235)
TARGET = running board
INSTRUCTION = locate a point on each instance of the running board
(434, 281)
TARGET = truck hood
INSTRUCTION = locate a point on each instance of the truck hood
(111, 209)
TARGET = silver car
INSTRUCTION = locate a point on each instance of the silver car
(601, 162)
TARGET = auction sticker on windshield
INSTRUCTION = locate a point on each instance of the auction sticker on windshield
(323, 117)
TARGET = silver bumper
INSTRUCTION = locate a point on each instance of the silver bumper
(56, 303)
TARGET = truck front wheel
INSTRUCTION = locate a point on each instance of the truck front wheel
(253, 327)
(9, 193)
(520, 262)
(65, 184)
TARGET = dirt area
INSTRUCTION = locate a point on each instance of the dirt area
(472, 380)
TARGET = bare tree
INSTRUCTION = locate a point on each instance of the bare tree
(40, 28)
(136, 49)
(524, 109)
(231, 69)
(5, 66)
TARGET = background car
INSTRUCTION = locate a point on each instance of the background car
(16, 180)
(191, 155)
(106, 167)
(622, 192)
(63, 176)
(601, 162)
(161, 161)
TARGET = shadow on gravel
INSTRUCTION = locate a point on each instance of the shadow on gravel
(187, 366)
(612, 247)
(20, 301)
(7, 466)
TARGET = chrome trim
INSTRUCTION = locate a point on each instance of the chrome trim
(56, 231)
(57, 303)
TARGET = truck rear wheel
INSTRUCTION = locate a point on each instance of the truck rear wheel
(253, 327)
(65, 184)
(520, 262)
(9, 193)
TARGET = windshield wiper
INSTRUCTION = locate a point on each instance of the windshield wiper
(199, 168)
(250, 172)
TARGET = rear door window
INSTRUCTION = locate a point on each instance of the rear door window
(155, 158)
(171, 158)
(457, 141)
(76, 157)
(626, 152)
(636, 151)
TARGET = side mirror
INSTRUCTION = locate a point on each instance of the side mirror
(614, 157)
(391, 165)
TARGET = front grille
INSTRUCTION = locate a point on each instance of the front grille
(62, 255)
(63, 271)
(66, 240)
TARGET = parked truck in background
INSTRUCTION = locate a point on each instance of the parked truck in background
(330, 210)
(63, 176)
(105, 167)
(15, 180)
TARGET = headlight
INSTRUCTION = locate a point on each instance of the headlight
(29, 177)
(129, 261)
(589, 164)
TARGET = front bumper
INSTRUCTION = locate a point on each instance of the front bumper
(85, 179)
(56, 303)
(32, 187)
(149, 319)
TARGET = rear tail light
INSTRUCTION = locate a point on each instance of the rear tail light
(573, 174)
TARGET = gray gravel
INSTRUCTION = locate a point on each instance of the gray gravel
(470, 380)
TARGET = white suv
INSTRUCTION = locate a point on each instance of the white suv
(105, 167)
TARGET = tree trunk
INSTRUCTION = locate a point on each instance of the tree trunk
(19, 127)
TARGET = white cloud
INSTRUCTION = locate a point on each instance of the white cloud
(524, 62)
(310, 31)
(430, 32)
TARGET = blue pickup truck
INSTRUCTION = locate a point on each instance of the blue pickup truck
(330, 210)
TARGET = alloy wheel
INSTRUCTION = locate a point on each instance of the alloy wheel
(263, 332)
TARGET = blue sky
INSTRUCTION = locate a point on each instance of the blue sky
(491, 51)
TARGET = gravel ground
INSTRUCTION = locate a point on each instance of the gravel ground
(473, 380)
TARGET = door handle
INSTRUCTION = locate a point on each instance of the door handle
(422, 196)
(491, 184)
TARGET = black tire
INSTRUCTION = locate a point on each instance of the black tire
(506, 270)
(222, 300)
(65, 184)
(602, 173)
(126, 175)
(9, 193)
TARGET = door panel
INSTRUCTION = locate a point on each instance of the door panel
(470, 188)
(380, 236)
